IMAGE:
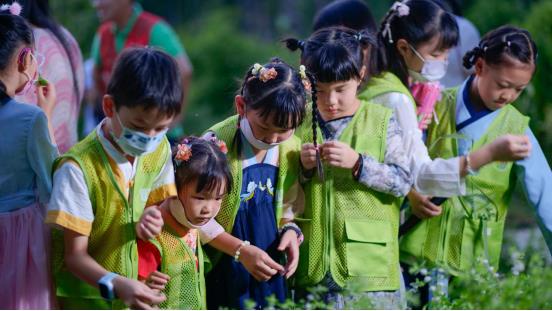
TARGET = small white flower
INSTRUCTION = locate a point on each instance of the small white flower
(401, 8)
(433, 288)
(427, 279)
(251, 186)
(441, 270)
(423, 271)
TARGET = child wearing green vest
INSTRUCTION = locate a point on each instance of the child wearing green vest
(202, 179)
(351, 215)
(414, 40)
(259, 210)
(471, 226)
(103, 183)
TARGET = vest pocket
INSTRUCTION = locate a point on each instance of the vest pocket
(369, 249)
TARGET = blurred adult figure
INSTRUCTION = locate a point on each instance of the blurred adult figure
(60, 62)
(126, 24)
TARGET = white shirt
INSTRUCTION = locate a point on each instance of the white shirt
(70, 206)
(437, 177)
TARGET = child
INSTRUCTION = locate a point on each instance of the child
(27, 152)
(472, 225)
(264, 159)
(202, 180)
(103, 183)
(362, 223)
(358, 137)
(414, 40)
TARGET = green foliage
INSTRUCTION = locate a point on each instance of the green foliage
(79, 17)
(221, 55)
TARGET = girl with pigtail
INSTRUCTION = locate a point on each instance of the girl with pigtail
(351, 214)
(471, 226)
(258, 212)
(413, 44)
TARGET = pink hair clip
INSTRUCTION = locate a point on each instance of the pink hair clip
(14, 8)
(184, 152)
(220, 143)
(263, 73)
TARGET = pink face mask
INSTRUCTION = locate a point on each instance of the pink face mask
(31, 81)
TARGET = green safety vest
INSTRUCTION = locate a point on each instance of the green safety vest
(470, 226)
(385, 83)
(350, 230)
(288, 174)
(186, 288)
(112, 240)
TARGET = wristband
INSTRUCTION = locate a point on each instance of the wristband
(294, 227)
(238, 251)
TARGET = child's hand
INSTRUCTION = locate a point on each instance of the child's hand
(258, 263)
(157, 280)
(290, 244)
(136, 294)
(425, 122)
(308, 156)
(339, 154)
(150, 224)
(510, 148)
(46, 95)
(422, 206)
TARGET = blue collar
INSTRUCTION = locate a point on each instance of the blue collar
(474, 115)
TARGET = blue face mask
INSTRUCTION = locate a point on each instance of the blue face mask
(135, 143)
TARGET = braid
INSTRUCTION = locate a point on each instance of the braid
(319, 167)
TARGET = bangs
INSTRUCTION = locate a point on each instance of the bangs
(332, 63)
(448, 32)
(212, 182)
(286, 110)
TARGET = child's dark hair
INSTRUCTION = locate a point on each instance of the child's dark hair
(504, 41)
(421, 21)
(331, 55)
(15, 33)
(354, 14)
(207, 164)
(282, 99)
(149, 78)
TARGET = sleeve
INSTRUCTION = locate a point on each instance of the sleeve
(164, 186)
(393, 175)
(41, 155)
(70, 205)
(294, 202)
(210, 231)
(163, 36)
(149, 259)
(536, 179)
(95, 50)
(439, 177)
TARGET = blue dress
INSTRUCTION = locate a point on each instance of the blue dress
(229, 285)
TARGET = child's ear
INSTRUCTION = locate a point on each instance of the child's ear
(108, 106)
(25, 63)
(479, 66)
(363, 72)
(403, 48)
(240, 105)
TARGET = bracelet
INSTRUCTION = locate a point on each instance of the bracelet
(470, 170)
(294, 227)
(238, 251)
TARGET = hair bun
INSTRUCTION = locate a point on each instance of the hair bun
(294, 44)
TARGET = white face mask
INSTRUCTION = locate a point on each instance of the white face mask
(177, 210)
(248, 133)
(135, 143)
(432, 70)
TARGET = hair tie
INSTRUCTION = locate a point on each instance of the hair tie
(184, 152)
(509, 44)
(14, 8)
(301, 44)
(264, 74)
(358, 36)
(304, 78)
(387, 32)
(401, 8)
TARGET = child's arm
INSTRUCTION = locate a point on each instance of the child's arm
(255, 260)
(536, 178)
(77, 260)
(150, 223)
(392, 176)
